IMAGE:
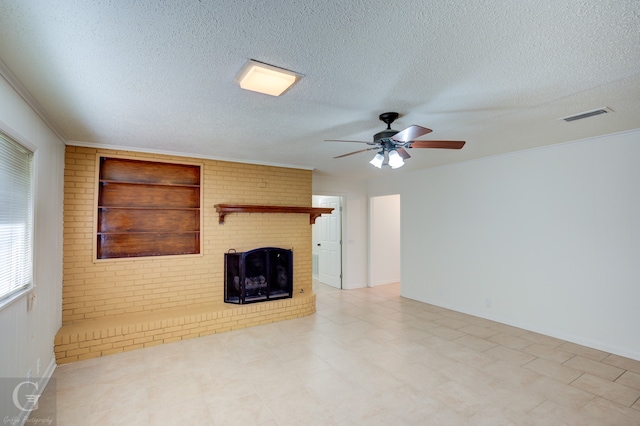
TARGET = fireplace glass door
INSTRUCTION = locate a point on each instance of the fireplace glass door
(258, 275)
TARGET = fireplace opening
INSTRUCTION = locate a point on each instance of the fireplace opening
(258, 275)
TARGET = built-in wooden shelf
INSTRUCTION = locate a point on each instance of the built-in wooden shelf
(225, 209)
(147, 208)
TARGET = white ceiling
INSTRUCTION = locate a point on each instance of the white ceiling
(160, 75)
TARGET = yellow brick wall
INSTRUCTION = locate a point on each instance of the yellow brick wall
(95, 290)
(91, 339)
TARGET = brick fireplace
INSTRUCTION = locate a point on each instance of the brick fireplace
(111, 306)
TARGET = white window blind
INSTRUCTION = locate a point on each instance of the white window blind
(16, 221)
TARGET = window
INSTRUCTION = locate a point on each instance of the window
(16, 222)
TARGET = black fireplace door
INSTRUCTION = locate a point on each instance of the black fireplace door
(280, 273)
(257, 275)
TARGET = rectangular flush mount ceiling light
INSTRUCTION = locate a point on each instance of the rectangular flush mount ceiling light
(265, 78)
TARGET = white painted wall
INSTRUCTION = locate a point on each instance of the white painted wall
(384, 237)
(549, 238)
(354, 226)
(28, 336)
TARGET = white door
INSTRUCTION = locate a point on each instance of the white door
(327, 241)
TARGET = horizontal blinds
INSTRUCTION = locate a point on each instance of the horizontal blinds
(16, 212)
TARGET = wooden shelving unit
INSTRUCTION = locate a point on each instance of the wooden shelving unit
(147, 208)
(313, 212)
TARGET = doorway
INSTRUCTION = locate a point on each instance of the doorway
(384, 243)
(327, 242)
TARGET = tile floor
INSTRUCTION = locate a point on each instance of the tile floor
(367, 357)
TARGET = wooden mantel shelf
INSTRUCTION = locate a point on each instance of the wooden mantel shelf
(225, 209)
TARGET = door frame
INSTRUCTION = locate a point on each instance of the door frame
(375, 247)
(342, 230)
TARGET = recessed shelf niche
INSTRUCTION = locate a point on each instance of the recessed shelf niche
(147, 208)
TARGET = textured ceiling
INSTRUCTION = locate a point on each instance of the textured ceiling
(160, 75)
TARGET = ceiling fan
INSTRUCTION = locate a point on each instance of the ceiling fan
(391, 143)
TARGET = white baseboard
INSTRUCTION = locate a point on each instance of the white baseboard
(393, 281)
(551, 333)
(42, 382)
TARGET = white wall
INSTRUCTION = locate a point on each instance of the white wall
(548, 238)
(384, 239)
(28, 336)
(354, 227)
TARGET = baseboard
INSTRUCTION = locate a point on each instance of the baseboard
(347, 286)
(377, 283)
(551, 333)
(42, 382)
(48, 373)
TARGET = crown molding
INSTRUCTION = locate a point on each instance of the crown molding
(17, 85)
(184, 154)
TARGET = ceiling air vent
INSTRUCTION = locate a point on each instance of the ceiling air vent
(586, 114)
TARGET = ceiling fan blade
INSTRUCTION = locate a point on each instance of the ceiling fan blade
(410, 133)
(403, 153)
(355, 152)
(436, 144)
(342, 140)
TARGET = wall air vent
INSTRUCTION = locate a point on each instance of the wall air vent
(586, 114)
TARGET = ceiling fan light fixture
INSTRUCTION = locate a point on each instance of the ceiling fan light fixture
(264, 78)
(392, 143)
(377, 160)
(395, 160)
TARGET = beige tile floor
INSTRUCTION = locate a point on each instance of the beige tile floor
(367, 357)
